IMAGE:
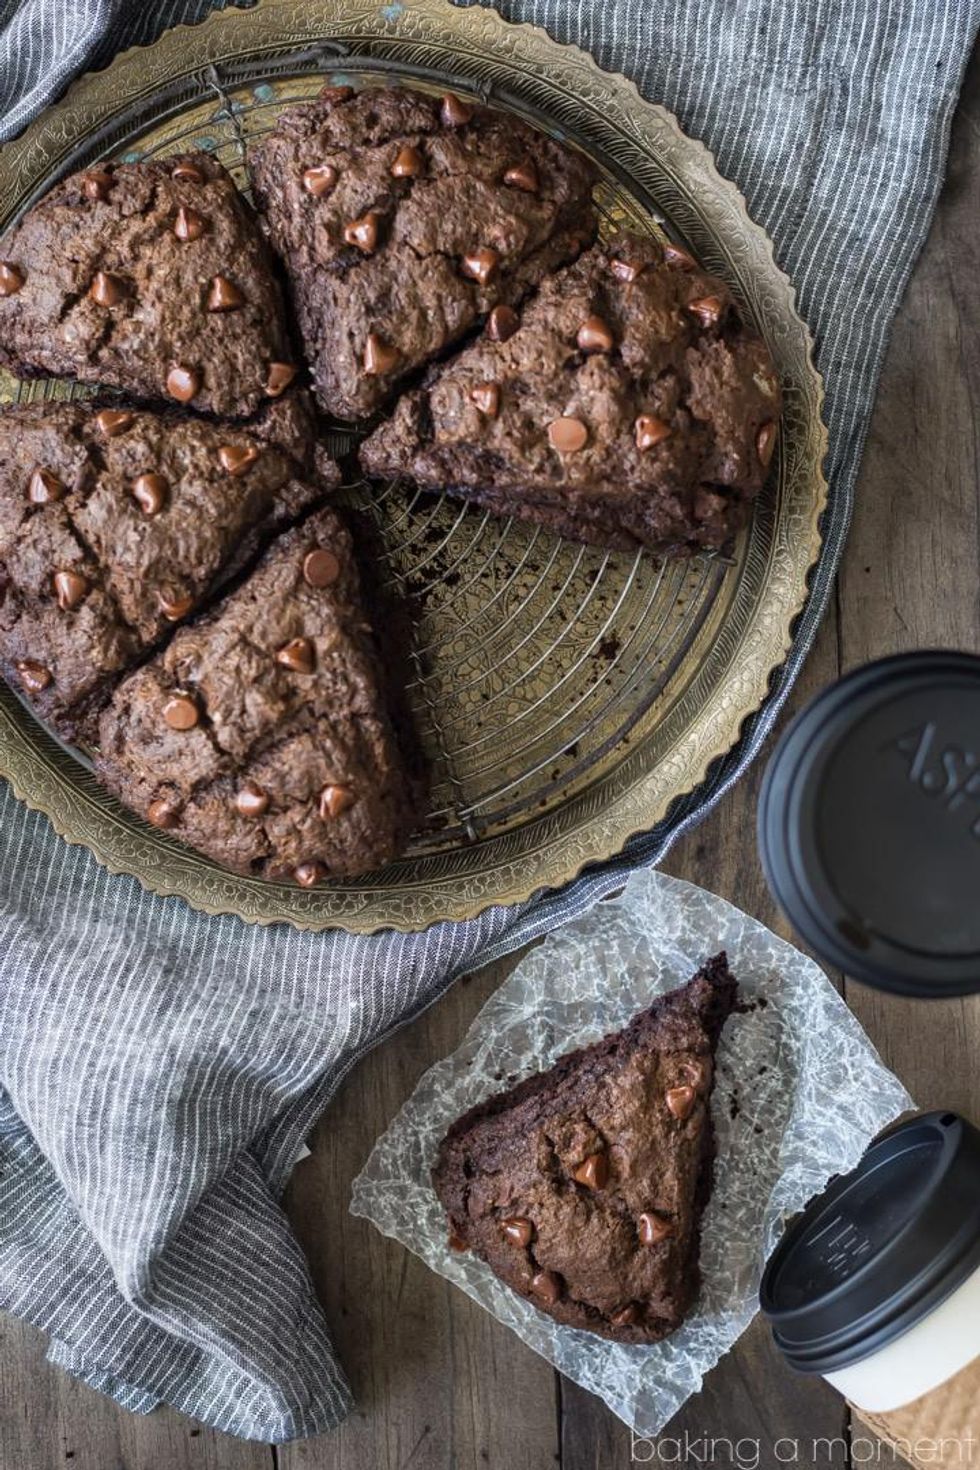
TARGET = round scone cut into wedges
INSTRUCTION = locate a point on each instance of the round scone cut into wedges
(630, 407)
(117, 524)
(151, 277)
(402, 219)
(259, 735)
(583, 1186)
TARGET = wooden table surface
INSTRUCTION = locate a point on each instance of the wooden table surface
(439, 1384)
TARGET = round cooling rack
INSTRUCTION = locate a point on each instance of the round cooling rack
(562, 697)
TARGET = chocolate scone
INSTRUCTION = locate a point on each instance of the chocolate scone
(151, 277)
(115, 525)
(402, 220)
(632, 407)
(583, 1187)
(259, 736)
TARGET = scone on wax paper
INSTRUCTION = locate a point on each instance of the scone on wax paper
(583, 1186)
(631, 406)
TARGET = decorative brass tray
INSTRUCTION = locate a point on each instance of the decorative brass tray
(563, 696)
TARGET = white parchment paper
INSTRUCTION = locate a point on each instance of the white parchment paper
(799, 1093)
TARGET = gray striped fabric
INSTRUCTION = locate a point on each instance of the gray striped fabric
(159, 1069)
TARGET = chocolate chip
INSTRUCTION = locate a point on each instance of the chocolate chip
(625, 1316)
(680, 1101)
(480, 265)
(456, 1242)
(279, 377)
(96, 183)
(298, 655)
(189, 225)
(69, 589)
(502, 323)
(547, 1285)
(765, 443)
(251, 800)
(379, 358)
(189, 172)
(486, 396)
(334, 801)
(454, 112)
(523, 176)
(320, 179)
(648, 430)
(363, 232)
(163, 811)
(676, 256)
(33, 676)
(567, 435)
(237, 459)
(594, 335)
(44, 488)
(593, 1171)
(107, 289)
(335, 94)
(224, 295)
(180, 712)
(113, 421)
(308, 875)
(408, 163)
(320, 568)
(652, 1228)
(518, 1230)
(150, 493)
(11, 279)
(174, 604)
(183, 383)
(626, 270)
(707, 309)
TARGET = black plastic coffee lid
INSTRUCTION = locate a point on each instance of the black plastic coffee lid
(869, 824)
(880, 1248)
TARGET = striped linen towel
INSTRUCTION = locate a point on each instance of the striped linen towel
(159, 1069)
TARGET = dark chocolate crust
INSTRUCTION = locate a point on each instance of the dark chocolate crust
(583, 1157)
(124, 227)
(410, 290)
(136, 564)
(707, 387)
(266, 727)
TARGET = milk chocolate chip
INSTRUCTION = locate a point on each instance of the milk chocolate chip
(163, 811)
(567, 435)
(279, 377)
(44, 488)
(363, 232)
(648, 431)
(237, 459)
(593, 1171)
(113, 421)
(181, 713)
(183, 383)
(408, 163)
(189, 225)
(594, 335)
(69, 589)
(96, 183)
(680, 1101)
(652, 1228)
(308, 875)
(107, 289)
(626, 270)
(335, 800)
(547, 1285)
(320, 568)
(523, 176)
(480, 265)
(707, 309)
(33, 676)
(224, 295)
(320, 179)
(765, 443)
(676, 256)
(298, 655)
(150, 493)
(518, 1230)
(486, 396)
(455, 113)
(189, 172)
(251, 800)
(379, 358)
(11, 279)
(502, 323)
(174, 604)
(625, 1316)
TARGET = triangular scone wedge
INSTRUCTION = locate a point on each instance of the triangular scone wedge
(402, 219)
(632, 407)
(117, 524)
(583, 1187)
(259, 735)
(151, 277)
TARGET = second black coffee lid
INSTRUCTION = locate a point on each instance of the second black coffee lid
(869, 824)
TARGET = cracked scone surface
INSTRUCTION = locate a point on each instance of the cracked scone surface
(424, 195)
(115, 525)
(259, 735)
(632, 407)
(583, 1186)
(127, 274)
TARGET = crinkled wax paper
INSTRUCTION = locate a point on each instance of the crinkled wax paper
(800, 1092)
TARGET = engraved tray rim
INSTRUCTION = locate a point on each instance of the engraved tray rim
(51, 781)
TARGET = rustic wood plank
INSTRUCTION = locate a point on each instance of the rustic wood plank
(50, 1421)
(439, 1383)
